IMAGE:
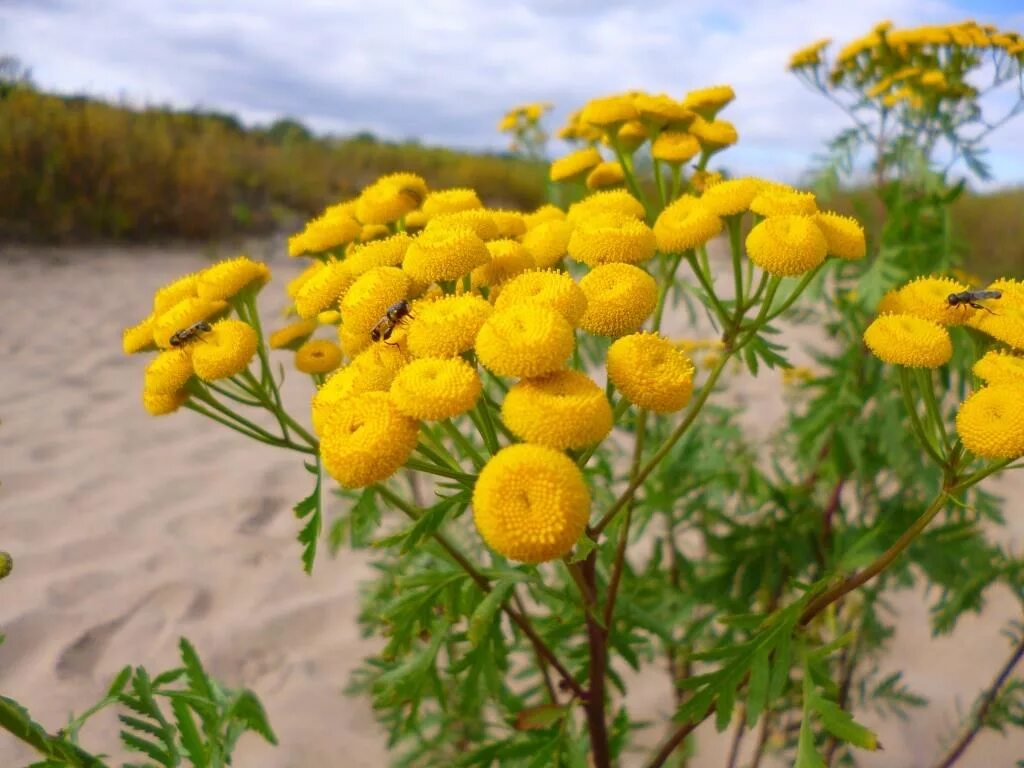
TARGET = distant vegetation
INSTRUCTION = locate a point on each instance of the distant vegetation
(74, 168)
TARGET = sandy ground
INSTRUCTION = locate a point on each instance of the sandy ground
(129, 531)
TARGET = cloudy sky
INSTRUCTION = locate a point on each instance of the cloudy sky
(443, 71)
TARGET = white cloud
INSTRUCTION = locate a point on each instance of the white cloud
(444, 70)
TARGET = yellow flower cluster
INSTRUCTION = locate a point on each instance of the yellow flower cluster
(523, 125)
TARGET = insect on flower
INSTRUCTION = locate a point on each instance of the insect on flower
(394, 315)
(185, 335)
(971, 299)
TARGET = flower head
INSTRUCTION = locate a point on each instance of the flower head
(714, 135)
(610, 201)
(575, 164)
(168, 372)
(605, 175)
(524, 340)
(448, 326)
(161, 404)
(508, 259)
(365, 439)
(928, 297)
(562, 410)
(293, 286)
(707, 102)
(631, 136)
(450, 201)
(183, 314)
(183, 288)
(685, 224)
(782, 201)
(323, 288)
(318, 356)
(387, 252)
(660, 110)
(611, 238)
(787, 245)
(609, 111)
(292, 336)
(650, 371)
(434, 388)
(509, 223)
(227, 278)
(675, 146)
(728, 198)
(531, 503)
(619, 298)
(139, 338)
(369, 297)
(444, 254)
(390, 198)
(545, 287)
(546, 212)
(335, 227)
(548, 242)
(372, 370)
(999, 367)
(909, 340)
(844, 235)
(225, 351)
(1004, 319)
(479, 220)
(370, 232)
(991, 422)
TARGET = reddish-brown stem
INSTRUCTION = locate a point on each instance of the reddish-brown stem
(597, 725)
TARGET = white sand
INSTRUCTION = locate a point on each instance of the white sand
(129, 531)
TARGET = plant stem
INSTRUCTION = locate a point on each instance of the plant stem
(597, 639)
(620, 550)
(915, 420)
(467, 448)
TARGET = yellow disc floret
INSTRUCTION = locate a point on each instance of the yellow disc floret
(436, 388)
(675, 147)
(139, 338)
(727, 198)
(448, 326)
(369, 297)
(225, 351)
(444, 254)
(609, 201)
(548, 288)
(531, 503)
(562, 410)
(390, 198)
(226, 278)
(782, 201)
(714, 135)
(708, 101)
(928, 297)
(606, 175)
(292, 336)
(1000, 367)
(167, 296)
(844, 235)
(185, 313)
(991, 422)
(611, 238)
(387, 252)
(372, 370)
(787, 245)
(158, 404)
(524, 340)
(450, 201)
(619, 298)
(548, 242)
(650, 371)
(365, 439)
(909, 340)
(323, 288)
(318, 356)
(168, 372)
(685, 224)
(508, 259)
(575, 164)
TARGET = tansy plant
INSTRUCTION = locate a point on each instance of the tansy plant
(553, 493)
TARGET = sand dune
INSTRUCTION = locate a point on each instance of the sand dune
(129, 531)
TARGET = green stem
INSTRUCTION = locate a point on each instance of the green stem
(440, 471)
(467, 448)
(924, 382)
(659, 183)
(666, 283)
(733, 226)
(627, 169)
(281, 414)
(709, 289)
(915, 421)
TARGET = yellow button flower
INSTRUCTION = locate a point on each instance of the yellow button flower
(612, 238)
(436, 388)
(365, 439)
(509, 223)
(387, 252)
(531, 503)
(372, 370)
(660, 110)
(183, 314)
(890, 304)
(370, 232)
(524, 340)
(546, 212)
(609, 201)
(450, 201)
(444, 254)
(619, 298)
(169, 371)
(575, 164)
(548, 288)
(675, 146)
(651, 372)
(336, 227)
(630, 137)
(172, 293)
(909, 340)
(928, 297)
(479, 220)
(225, 351)
(999, 367)
(605, 175)
(991, 422)
(323, 289)
(1005, 320)
(714, 135)
(508, 259)
(609, 111)
(844, 235)
(562, 410)
(157, 404)
(707, 102)
(787, 245)
(548, 242)
(318, 356)
(448, 326)
(685, 224)
(293, 286)
(728, 198)
(292, 336)
(139, 338)
(227, 278)
(390, 198)
(369, 297)
(775, 200)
